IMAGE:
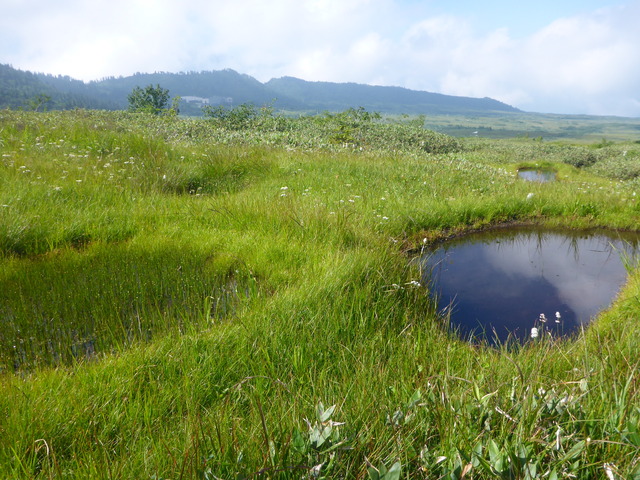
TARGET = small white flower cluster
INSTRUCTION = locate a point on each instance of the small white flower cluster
(535, 331)
(395, 287)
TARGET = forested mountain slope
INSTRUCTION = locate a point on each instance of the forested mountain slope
(20, 89)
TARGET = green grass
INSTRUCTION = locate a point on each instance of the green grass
(184, 299)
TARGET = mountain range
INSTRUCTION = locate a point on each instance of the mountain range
(23, 89)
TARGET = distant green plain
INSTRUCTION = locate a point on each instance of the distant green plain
(569, 128)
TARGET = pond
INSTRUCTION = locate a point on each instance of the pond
(499, 284)
(537, 175)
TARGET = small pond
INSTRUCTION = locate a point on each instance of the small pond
(495, 285)
(537, 175)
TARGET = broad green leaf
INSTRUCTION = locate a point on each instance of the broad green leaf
(494, 451)
(324, 415)
(574, 451)
(530, 470)
(394, 472)
(297, 442)
(476, 455)
(415, 399)
(476, 391)
(397, 418)
(374, 473)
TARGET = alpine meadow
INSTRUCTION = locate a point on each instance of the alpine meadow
(234, 297)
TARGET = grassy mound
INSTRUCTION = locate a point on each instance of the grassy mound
(233, 298)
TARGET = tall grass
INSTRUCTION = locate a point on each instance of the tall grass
(214, 302)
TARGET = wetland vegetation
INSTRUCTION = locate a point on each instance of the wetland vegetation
(233, 297)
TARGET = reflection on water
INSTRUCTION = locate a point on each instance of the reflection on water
(542, 176)
(495, 285)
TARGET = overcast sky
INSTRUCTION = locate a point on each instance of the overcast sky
(559, 56)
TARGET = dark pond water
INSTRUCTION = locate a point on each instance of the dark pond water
(495, 285)
(533, 175)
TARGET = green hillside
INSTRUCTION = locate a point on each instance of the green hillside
(340, 96)
(228, 87)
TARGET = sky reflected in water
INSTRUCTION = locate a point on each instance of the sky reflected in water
(499, 282)
(540, 176)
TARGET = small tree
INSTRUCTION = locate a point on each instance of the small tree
(149, 99)
(40, 100)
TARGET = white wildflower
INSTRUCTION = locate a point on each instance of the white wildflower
(609, 470)
(534, 332)
(530, 196)
(558, 317)
(315, 471)
(543, 318)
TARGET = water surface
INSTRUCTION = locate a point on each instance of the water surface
(537, 175)
(496, 284)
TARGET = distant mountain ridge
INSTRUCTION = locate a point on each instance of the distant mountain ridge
(228, 87)
(331, 96)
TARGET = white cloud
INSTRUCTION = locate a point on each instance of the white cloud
(585, 63)
(584, 57)
(589, 269)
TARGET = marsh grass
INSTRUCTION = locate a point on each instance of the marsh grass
(197, 304)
